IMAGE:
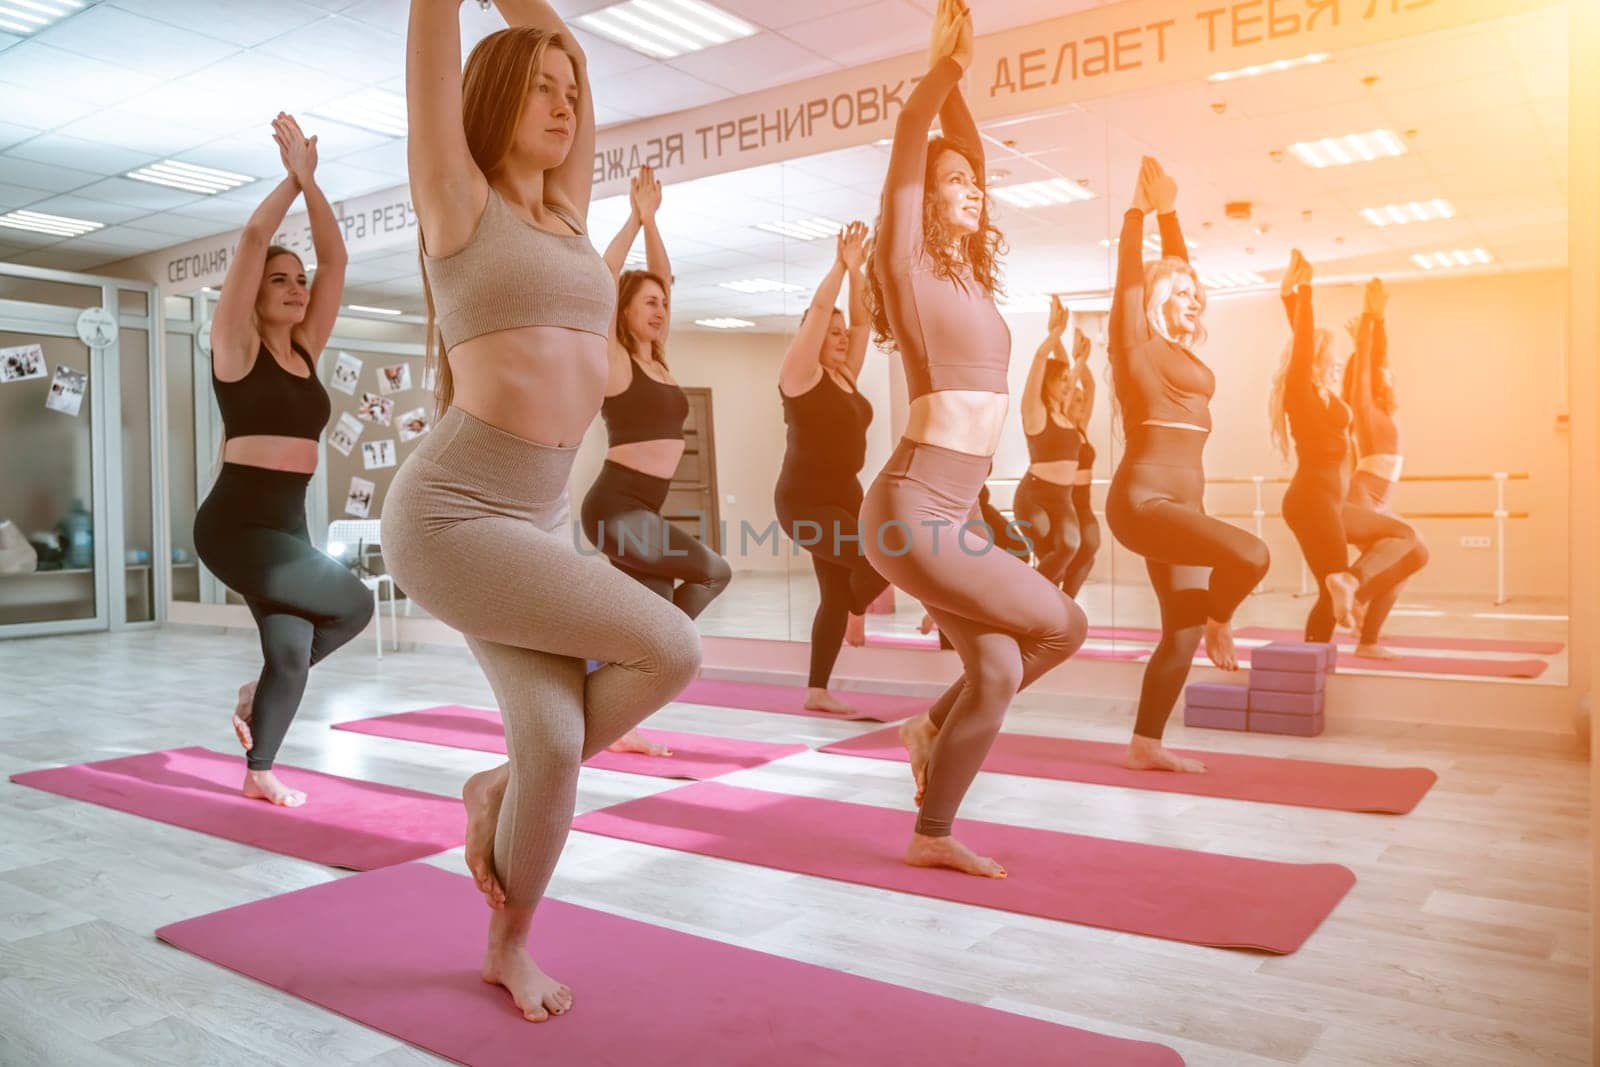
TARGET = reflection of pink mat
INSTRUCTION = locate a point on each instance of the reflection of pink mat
(1481, 668)
(790, 700)
(1444, 644)
(345, 823)
(398, 950)
(1268, 779)
(1201, 897)
(1096, 633)
(694, 756)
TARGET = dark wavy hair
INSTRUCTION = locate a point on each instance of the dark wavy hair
(980, 250)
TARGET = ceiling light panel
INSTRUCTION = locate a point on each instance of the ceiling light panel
(1460, 257)
(377, 110)
(1041, 194)
(663, 29)
(724, 324)
(803, 229)
(1351, 148)
(760, 285)
(27, 17)
(1268, 68)
(189, 177)
(369, 310)
(1413, 211)
(53, 225)
(1236, 279)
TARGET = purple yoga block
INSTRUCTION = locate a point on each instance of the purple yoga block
(1275, 703)
(1298, 725)
(1287, 681)
(1295, 656)
(1214, 695)
(1215, 718)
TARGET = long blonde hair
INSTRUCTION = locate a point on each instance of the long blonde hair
(1276, 411)
(1159, 275)
(495, 86)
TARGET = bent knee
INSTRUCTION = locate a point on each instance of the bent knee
(1257, 558)
(674, 651)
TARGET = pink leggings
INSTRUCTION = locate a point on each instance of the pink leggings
(921, 530)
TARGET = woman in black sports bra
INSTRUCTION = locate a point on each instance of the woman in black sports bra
(1080, 408)
(266, 333)
(644, 411)
(1042, 506)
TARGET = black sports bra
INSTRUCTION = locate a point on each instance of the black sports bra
(1054, 442)
(270, 401)
(647, 410)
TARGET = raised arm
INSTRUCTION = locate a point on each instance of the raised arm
(327, 240)
(233, 332)
(853, 253)
(1300, 385)
(802, 359)
(571, 184)
(1129, 327)
(447, 187)
(1082, 378)
(616, 254)
(900, 227)
(647, 201)
(1034, 409)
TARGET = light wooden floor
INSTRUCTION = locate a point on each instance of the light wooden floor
(1464, 941)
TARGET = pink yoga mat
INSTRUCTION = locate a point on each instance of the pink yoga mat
(1268, 779)
(398, 950)
(1447, 644)
(1481, 668)
(1200, 897)
(1098, 633)
(790, 700)
(694, 756)
(345, 823)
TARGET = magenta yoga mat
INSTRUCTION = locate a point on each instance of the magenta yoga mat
(1268, 779)
(694, 756)
(1178, 894)
(1442, 643)
(344, 823)
(398, 950)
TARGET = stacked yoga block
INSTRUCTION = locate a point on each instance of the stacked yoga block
(1288, 685)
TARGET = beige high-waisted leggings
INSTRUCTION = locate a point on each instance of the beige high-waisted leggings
(475, 530)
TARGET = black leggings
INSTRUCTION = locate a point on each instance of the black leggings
(1088, 542)
(1370, 493)
(251, 532)
(1200, 567)
(1051, 524)
(622, 518)
(825, 521)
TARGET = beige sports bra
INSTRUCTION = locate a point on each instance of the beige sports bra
(511, 273)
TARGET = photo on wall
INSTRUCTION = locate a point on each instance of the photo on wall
(66, 391)
(343, 437)
(21, 363)
(376, 455)
(394, 379)
(358, 501)
(375, 408)
(414, 424)
(346, 373)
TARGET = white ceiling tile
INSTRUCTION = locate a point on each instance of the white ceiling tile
(606, 59)
(342, 46)
(225, 212)
(776, 14)
(90, 156)
(241, 22)
(390, 15)
(341, 182)
(15, 196)
(42, 175)
(80, 207)
(254, 154)
(337, 136)
(658, 90)
(39, 110)
(63, 258)
(864, 33)
(242, 93)
(139, 133)
(387, 158)
(754, 63)
(122, 38)
(138, 194)
(36, 64)
(175, 228)
(10, 135)
(7, 40)
(118, 239)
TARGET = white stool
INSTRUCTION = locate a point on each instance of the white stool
(374, 582)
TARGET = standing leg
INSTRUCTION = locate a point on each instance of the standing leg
(827, 634)
(1182, 594)
(1083, 560)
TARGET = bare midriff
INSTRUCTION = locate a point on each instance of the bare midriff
(1055, 471)
(659, 459)
(541, 383)
(962, 420)
(297, 454)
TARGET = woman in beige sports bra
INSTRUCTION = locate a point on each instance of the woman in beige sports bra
(475, 524)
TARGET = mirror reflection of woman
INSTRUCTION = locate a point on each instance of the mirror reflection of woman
(1369, 390)
(932, 272)
(1201, 568)
(1080, 408)
(267, 333)
(475, 526)
(818, 495)
(1042, 505)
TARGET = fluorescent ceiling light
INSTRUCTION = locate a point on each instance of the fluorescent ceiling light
(1351, 148)
(724, 324)
(1041, 194)
(190, 178)
(1151, 243)
(374, 311)
(665, 28)
(377, 110)
(760, 285)
(25, 17)
(1460, 257)
(54, 225)
(634, 258)
(1267, 68)
(803, 229)
(1231, 279)
(1414, 211)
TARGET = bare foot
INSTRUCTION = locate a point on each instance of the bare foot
(918, 735)
(926, 625)
(1358, 618)
(855, 630)
(1147, 754)
(1219, 645)
(948, 852)
(1342, 589)
(538, 996)
(1376, 652)
(241, 715)
(822, 700)
(482, 794)
(264, 785)
(634, 741)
